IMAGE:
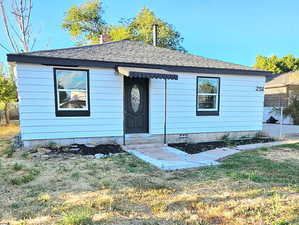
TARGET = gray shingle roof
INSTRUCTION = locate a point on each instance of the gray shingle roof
(128, 51)
(283, 79)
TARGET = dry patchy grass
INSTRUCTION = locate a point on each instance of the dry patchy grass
(248, 188)
(282, 154)
(8, 131)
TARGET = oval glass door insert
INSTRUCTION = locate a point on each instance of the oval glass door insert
(135, 98)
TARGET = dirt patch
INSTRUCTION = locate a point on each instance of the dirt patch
(193, 148)
(9, 131)
(81, 149)
(283, 154)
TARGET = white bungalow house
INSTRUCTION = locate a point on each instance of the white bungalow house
(130, 91)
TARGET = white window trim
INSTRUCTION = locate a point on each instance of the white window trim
(212, 109)
(79, 90)
(209, 94)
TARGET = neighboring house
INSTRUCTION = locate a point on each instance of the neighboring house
(127, 90)
(279, 90)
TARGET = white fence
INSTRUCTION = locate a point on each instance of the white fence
(268, 113)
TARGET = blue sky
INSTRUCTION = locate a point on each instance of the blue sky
(229, 30)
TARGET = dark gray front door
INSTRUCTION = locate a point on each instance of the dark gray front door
(136, 105)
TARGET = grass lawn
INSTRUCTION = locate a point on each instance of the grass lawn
(254, 187)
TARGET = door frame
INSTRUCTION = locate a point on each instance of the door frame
(146, 122)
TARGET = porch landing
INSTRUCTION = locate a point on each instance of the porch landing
(168, 158)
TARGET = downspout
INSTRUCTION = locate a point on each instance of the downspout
(124, 114)
(165, 111)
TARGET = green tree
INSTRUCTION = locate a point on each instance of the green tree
(141, 28)
(8, 92)
(85, 23)
(277, 65)
(118, 33)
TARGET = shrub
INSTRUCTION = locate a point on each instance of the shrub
(225, 137)
(260, 134)
(79, 216)
(17, 166)
(52, 145)
(43, 198)
(9, 151)
(75, 175)
(32, 173)
(292, 110)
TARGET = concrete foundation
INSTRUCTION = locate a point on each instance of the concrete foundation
(140, 139)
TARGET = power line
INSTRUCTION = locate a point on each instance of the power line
(1, 45)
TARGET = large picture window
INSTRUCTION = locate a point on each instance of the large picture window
(207, 96)
(71, 92)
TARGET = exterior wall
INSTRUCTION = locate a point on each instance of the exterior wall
(241, 108)
(37, 105)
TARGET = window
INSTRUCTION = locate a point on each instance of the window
(207, 96)
(71, 92)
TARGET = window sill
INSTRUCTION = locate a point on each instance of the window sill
(72, 113)
(207, 113)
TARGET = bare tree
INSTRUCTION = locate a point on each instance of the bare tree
(17, 25)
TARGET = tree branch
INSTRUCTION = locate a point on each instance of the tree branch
(6, 26)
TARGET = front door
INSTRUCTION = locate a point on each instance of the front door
(136, 105)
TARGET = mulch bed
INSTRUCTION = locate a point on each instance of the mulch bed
(193, 148)
(81, 149)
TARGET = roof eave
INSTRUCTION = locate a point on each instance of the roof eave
(55, 61)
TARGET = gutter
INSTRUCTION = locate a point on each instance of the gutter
(55, 61)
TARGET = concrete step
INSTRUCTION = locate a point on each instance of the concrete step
(144, 146)
(143, 139)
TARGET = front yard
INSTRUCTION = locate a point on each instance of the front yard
(254, 187)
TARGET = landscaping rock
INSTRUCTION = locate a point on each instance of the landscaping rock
(36, 154)
(45, 156)
(43, 150)
(99, 155)
(75, 149)
(89, 156)
(90, 145)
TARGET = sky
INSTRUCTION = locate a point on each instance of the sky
(230, 30)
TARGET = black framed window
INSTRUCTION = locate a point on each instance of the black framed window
(71, 92)
(207, 96)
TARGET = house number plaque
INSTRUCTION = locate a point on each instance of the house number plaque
(259, 88)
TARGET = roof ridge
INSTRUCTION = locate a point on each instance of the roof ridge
(75, 47)
(198, 56)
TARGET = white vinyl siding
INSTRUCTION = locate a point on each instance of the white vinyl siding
(37, 105)
(241, 106)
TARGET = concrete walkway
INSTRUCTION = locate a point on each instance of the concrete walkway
(168, 158)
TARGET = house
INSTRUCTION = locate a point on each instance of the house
(279, 90)
(128, 91)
